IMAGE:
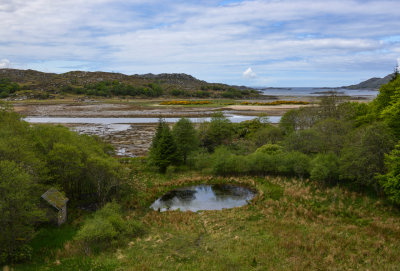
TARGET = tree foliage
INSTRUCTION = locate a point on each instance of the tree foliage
(163, 151)
(186, 137)
(325, 168)
(35, 158)
(18, 211)
(391, 180)
(362, 158)
(218, 132)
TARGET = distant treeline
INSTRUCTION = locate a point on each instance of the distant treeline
(116, 88)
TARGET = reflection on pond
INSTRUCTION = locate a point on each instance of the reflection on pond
(204, 197)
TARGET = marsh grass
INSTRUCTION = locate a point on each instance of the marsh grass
(290, 225)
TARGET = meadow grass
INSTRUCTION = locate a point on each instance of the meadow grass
(290, 225)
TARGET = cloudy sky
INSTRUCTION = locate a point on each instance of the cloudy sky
(255, 43)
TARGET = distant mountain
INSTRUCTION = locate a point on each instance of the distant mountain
(372, 83)
(107, 83)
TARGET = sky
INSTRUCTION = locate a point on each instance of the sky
(279, 43)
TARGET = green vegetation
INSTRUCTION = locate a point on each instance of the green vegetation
(26, 84)
(115, 88)
(33, 159)
(7, 87)
(327, 179)
(107, 227)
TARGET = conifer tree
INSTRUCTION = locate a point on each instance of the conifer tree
(163, 150)
(186, 137)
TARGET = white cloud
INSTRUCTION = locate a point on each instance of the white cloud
(5, 64)
(202, 38)
(249, 74)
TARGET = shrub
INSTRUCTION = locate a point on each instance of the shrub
(107, 225)
(325, 168)
(270, 149)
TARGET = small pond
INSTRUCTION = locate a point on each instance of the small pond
(204, 197)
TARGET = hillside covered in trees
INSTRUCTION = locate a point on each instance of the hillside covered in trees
(35, 84)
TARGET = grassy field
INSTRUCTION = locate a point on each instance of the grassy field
(290, 225)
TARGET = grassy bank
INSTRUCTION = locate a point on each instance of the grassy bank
(290, 225)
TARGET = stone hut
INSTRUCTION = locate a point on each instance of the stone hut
(58, 214)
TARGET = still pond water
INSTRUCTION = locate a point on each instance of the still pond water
(204, 197)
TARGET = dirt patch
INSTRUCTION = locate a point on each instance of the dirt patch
(273, 110)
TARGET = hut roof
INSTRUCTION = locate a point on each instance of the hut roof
(55, 198)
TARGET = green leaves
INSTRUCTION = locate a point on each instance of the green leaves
(163, 151)
(18, 210)
(391, 180)
(186, 137)
(107, 225)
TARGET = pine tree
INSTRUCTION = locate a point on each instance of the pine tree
(186, 137)
(163, 150)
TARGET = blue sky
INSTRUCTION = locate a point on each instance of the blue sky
(255, 43)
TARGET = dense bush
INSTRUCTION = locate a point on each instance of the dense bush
(306, 141)
(325, 168)
(268, 161)
(7, 87)
(107, 226)
(362, 157)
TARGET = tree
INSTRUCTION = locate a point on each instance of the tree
(362, 157)
(163, 151)
(305, 141)
(332, 133)
(268, 134)
(219, 131)
(186, 137)
(385, 96)
(103, 174)
(18, 211)
(390, 108)
(329, 106)
(391, 180)
(325, 168)
(299, 119)
(391, 114)
(67, 168)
